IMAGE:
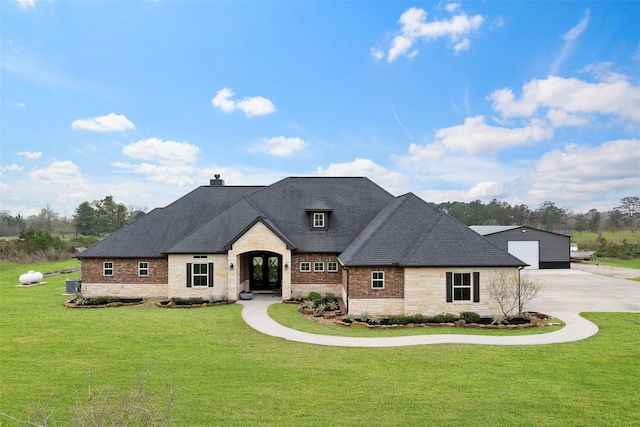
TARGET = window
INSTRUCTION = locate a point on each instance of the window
(143, 269)
(332, 267)
(318, 220)
(462, 286)
(318, 266)
(305, 266)
(107, 269)
(199, 274)
(377, 279)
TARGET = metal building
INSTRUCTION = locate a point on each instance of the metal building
(539, 248)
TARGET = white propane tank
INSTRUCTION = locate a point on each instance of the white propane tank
(31, 277)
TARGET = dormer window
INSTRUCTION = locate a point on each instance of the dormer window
(318, 220)
(319, 215)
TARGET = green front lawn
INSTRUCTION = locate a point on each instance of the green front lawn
(226, 373)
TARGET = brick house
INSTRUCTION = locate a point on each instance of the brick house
(382, 254)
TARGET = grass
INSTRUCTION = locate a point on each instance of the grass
(616, 262)
(588, 239)
(226, 373)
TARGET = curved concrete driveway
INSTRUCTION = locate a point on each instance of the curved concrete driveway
(567, 292)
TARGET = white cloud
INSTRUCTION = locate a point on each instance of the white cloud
(280, 146)
(579, 172)
(109, 123)
(18, 104)
(251, 106)
(452, 7)
(613, 95)
(175, 174)
(570, 38)
(30, 155)
(169, 162)
(486, 190)
(414, 27)
(475, 136)
(60, 173)
(377, 54)
(11, 168)
(392, 181)
(163, 152)
(26, 3)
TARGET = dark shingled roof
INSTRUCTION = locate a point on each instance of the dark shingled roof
(153, 234)
(366, 225)
(411, 233)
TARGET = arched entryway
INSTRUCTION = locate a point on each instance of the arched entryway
(265, 271)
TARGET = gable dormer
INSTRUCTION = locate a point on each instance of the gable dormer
(319, 216)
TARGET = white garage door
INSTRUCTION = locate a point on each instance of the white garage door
(528, 252)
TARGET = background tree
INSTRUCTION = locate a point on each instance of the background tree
(593, 220)
(85, 220)
(549, 216)
(111, 216)
(629, 209)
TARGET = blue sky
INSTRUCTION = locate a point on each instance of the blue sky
(146, 100)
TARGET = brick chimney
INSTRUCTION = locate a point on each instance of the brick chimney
(217, 182)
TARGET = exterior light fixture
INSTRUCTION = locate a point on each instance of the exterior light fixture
(286, 266)
(231, 266)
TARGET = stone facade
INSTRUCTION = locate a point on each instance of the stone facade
(425, 291)
(259, 238)
(178, 276)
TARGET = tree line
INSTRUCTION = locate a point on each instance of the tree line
(97, 218)
(104, 216)
(548, 216)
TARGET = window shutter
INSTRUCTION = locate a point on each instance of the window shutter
(210, 272)
(476, 286)
(188, 275)
(449, 287)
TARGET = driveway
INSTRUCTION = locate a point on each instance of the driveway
(566, 293)
(577, 291)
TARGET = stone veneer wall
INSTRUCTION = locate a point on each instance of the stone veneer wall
(425, 291)
(305, 282)
(178, 277)
(259, 238)
(125, 282)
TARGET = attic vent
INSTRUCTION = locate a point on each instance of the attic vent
(217, 182)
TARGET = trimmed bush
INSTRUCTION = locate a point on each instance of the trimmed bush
(470, 316)
(101, 300)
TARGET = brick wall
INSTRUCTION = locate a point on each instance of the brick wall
(313, 277)
(125, 270)
(360, 282)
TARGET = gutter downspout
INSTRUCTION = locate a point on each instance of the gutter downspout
(346, 303)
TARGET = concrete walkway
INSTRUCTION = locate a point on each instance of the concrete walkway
(566, 293)
(255, 314)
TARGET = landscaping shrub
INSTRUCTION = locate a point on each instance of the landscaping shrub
(187, 301)
(443, 318)
(470, 316)
(101, 300)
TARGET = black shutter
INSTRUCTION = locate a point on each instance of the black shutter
(188, 275)
(476, 286)
(210, 273)
(449, 287)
